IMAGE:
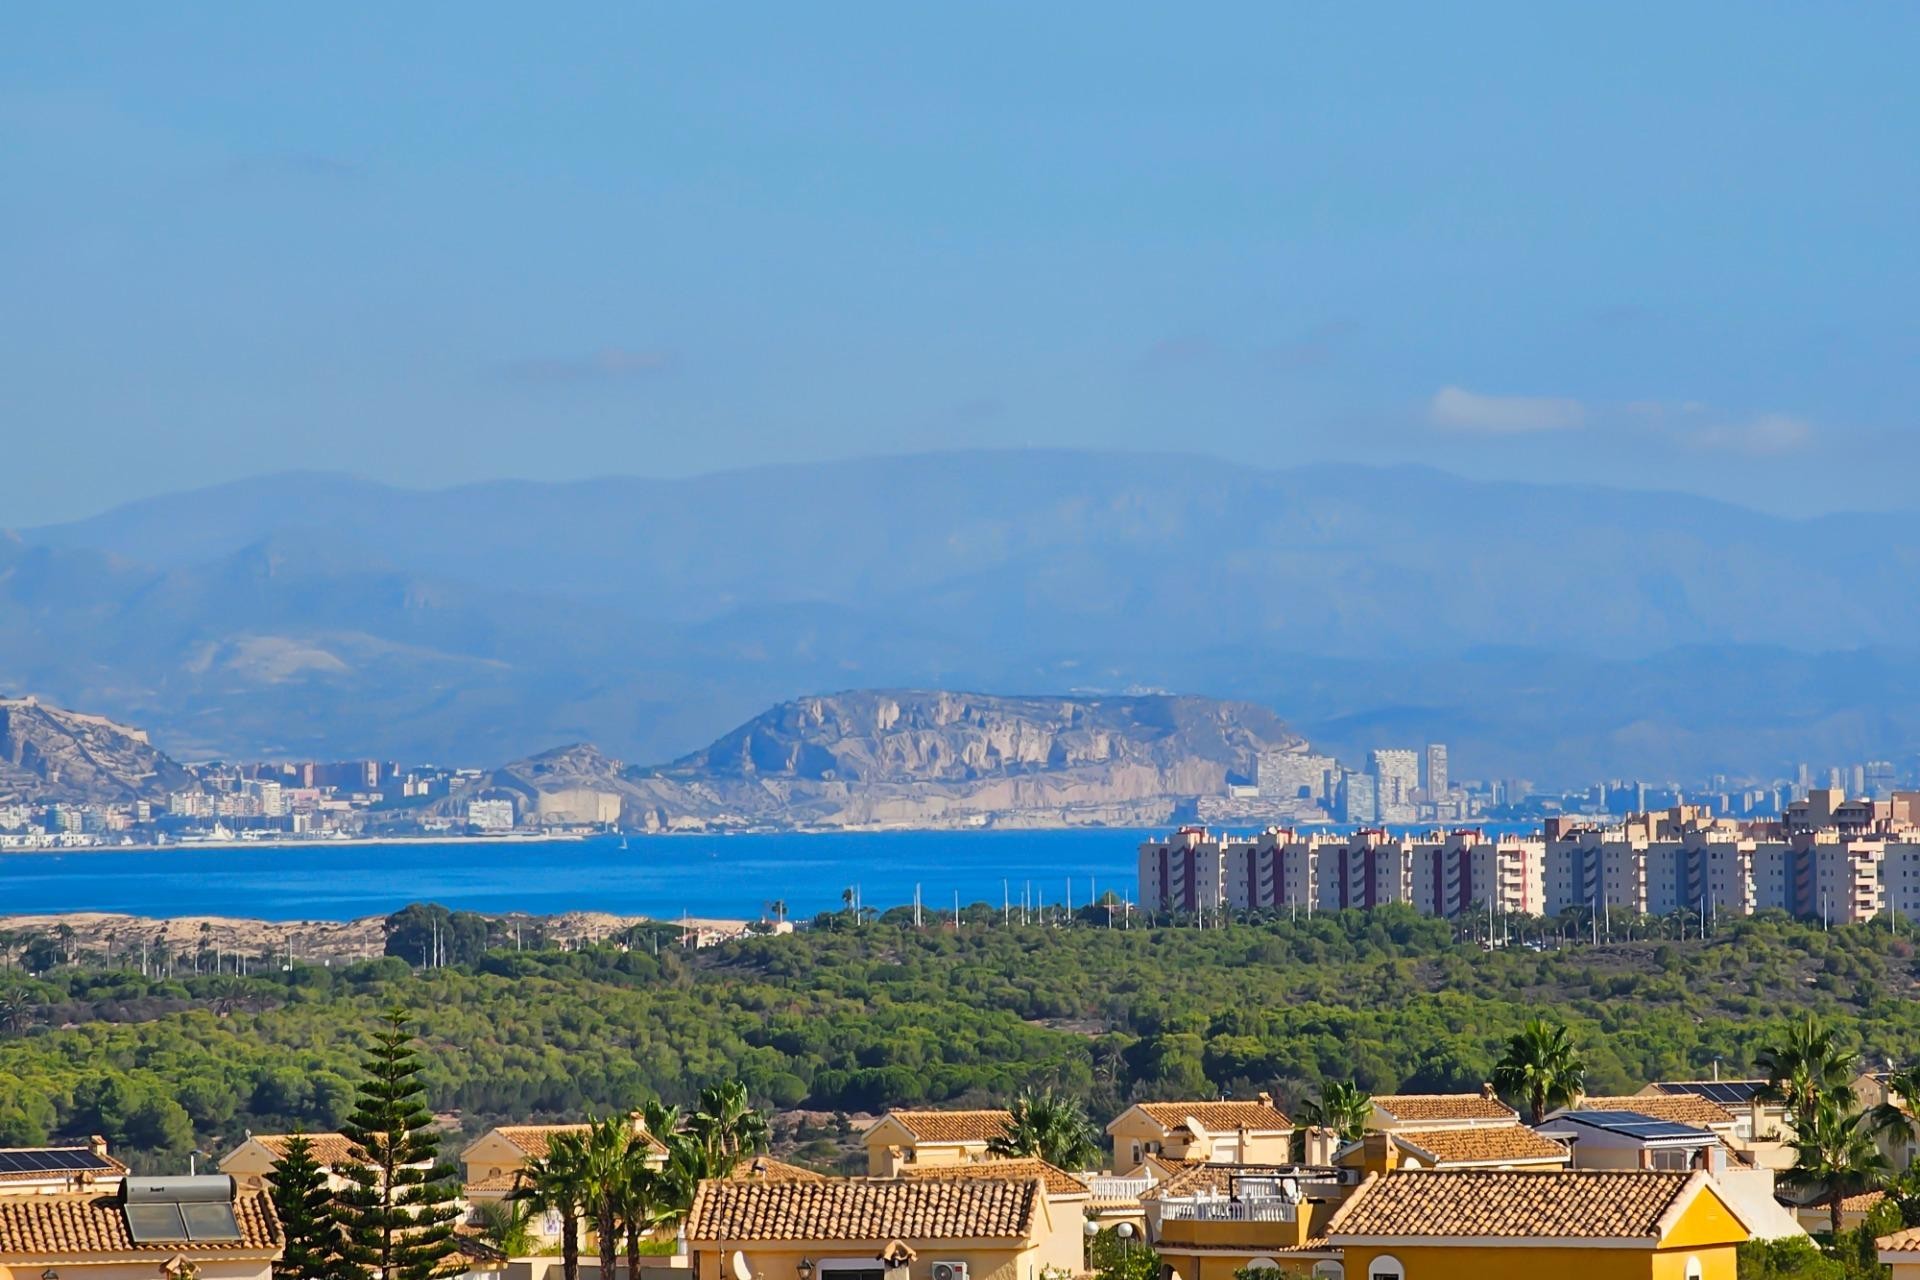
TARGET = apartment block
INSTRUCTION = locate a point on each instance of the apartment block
(1183, 873)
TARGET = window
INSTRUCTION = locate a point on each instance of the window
(1386, 1267)
(1694, 1270)
(1329, 1271)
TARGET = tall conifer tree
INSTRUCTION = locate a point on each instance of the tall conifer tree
(304, 1203)
(399, 1214)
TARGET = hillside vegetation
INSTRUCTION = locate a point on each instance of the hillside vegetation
(851, 1017)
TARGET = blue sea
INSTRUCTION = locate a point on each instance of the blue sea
(663, 876)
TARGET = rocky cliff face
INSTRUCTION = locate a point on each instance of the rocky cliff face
(47, 754)
(929, 758)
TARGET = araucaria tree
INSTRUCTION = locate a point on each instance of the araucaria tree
(398, 1215)
(1541, 1068)
(304, 1204)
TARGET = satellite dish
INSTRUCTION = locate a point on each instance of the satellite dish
(739, 1267)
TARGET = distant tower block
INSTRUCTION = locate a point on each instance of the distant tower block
(1438, 783)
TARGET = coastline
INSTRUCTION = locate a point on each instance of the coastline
(178, 846)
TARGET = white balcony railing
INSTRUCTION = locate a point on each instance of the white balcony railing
(1261, 1209)
(1110, 1187)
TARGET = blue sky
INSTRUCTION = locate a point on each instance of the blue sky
(1663, 246)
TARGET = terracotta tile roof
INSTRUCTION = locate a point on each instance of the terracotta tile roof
(864, 1209)
(1483, 1144)
(767, 1169)
(537, 1139)
(1901, 1241)
(1479, 1203)
(1059, 1181)
(114, 1168)
(1219, 1117)
(1676, 1108)
(1443, 1106)
(953, 1126)
(332, 1150)
(73, 1228)
(1862, 1202)
(501, 1182)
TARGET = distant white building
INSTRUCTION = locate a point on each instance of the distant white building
(490, 815)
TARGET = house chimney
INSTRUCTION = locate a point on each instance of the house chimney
(1377, 1152)
(1266, 1099)
(1486, 1090)
(97, 1145)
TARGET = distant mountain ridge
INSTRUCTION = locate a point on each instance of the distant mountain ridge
(922, 758)
(1549, 631)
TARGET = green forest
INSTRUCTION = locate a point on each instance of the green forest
(857, 1015)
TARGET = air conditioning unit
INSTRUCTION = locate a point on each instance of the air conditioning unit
(949, 1271)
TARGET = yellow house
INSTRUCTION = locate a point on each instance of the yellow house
(252, 1163)
(1900, 1254)
(491, 1163)
(919, 1228)
(1392, 1111)
(903, 1138)
(1493, 1146)
(1217, 1132)
(95, 1237)
(1483, 1225)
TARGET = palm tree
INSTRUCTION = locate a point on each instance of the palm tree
(16, 1013)
(1835, 1156)
(505, 1225)
(643, 1199)
(1888, 1116)
(727, 1127)
(1541, 1067)
(1343, 1106)
(605, 1151)
(557, 1183)
(1804, 1067)
(1051, 1127)
(686, 1163)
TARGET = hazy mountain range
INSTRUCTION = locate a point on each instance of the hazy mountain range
(1551, 631)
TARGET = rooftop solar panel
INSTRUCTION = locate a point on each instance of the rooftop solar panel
(155, 1223)
(1635, 1125)
(1739, 1092)
(165, 1210)
(50, 1160)
(210, 1222)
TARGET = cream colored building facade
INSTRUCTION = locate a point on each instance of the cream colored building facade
(1254, 1132)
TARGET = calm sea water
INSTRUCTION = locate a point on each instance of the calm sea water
(727, 876)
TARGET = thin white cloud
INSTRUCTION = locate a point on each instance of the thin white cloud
(1457, 409)
(1768, 435)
